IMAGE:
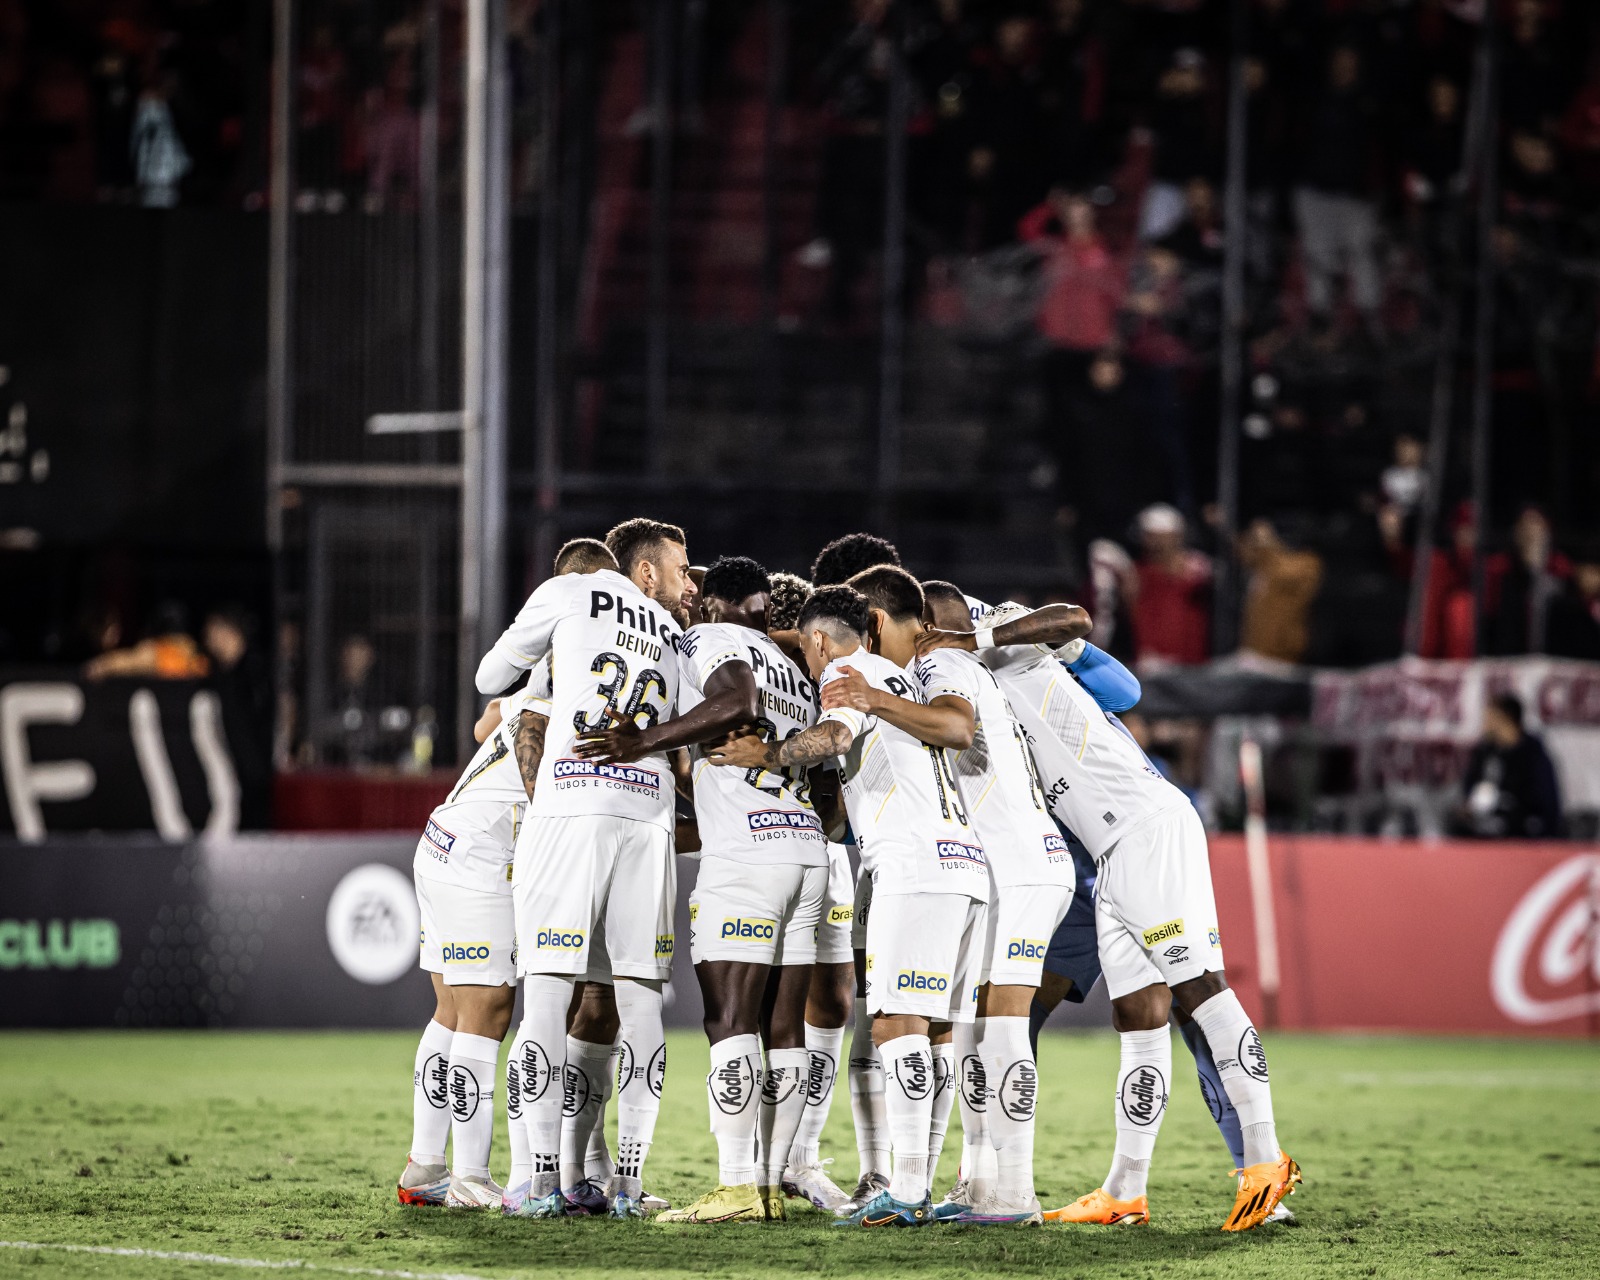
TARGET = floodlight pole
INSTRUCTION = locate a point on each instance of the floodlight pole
(280, 393)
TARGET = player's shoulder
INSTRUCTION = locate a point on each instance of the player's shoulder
(704, 637)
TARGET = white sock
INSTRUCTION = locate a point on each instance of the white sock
(908, 1102)
(1142, 1087)
(783, 1102)
(474, 1062)
(944, 1094)
(1242, 1064)
(972, 1095)
(866, 1097)
(597, 1161)
(1008, 1061)
(545, 998)
(823, 1045)
(430, 1095)
(516, 1130)
(735, 1113)
(582, 1105)
(644, 1068)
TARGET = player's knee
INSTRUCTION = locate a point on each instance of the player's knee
(595, 1020)
(832, 996)
(1189, 996)
(1052, 991)
(1144, 1010)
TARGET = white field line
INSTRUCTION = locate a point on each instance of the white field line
(222, 1260)
(1534, 1079)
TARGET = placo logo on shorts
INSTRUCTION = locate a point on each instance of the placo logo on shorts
(625, 775)
(1213, 936)
(742, 930)
(911, 980)
(372, 921)
(466, 952)
(953, 855)
(439, 838)
(841, 915)
(1172, 929)
(664, 944)
(559, 940)
(784, 820)
(1025, 949)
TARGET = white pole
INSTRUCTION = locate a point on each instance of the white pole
(1260, 867)
(474, 204)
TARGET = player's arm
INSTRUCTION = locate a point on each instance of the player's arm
(811, 746)
(1052, 626)
(732, 702)
(526, 640)
(528, 744)
(1104, 679)
(488, 722)
(828, 803)
(945, 721)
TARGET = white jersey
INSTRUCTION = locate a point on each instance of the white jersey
(611, 649)
(997, 777)
(1096, 780)
(905, 809)
(1011, 655)
(753, 815)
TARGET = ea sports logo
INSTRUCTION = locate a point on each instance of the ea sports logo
(1546, 967)
(373, 924)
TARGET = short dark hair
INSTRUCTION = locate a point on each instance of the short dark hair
(1508, 705)
(789, 592)
(638, 539)
(735, 578)
(939, 589)
(584, 555)
(891, 589)
(845, 607)
(845, 557)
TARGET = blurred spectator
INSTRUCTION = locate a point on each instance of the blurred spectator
(244, 688)
(1008, 128)
(1433, 161)
(1185, 143)
(355, 733)
(160, 160)
(1078, 312)
(1572, 626)
(170, 652)
(1527, 581)
(393, 137)
(1157, 315)
(1280, 585)
(1406, 478)
(1510, 789)
(1171, 607)
(1334, 209)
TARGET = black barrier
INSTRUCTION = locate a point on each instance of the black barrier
(253, 931)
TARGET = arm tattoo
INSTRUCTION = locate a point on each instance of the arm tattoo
(529, 740)
(816, 744)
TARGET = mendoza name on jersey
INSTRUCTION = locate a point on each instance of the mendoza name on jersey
(624, 777)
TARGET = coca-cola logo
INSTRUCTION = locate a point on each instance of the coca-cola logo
(1546, 965)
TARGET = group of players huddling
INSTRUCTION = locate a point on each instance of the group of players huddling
(1014, 845)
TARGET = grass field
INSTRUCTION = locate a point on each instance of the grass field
(1422, 1158)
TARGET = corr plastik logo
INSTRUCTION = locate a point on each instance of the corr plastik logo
(626, 775)
(1055, 844)
(439, 838)
(558, 940)
(466, 952)
(59, 944)
(748, 930)
(952, 853)
(1545, 967)
(784, 819)
(1025, 949)
(1172, 929)
(911, 980)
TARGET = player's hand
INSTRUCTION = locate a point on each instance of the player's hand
(744, 752)
(849, 689)
(933, 638)
(623, 743)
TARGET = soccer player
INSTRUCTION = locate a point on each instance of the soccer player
(594, 858)
(930, 876)
(462, 874)
(1155, 917)
(833, 978)
(758, 901)
(1031, 881)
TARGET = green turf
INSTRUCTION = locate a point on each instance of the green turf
(1422, 1157)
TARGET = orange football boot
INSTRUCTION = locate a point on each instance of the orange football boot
(1099, 1208)
(1261, 1187)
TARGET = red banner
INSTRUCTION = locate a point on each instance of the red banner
(1406, 935)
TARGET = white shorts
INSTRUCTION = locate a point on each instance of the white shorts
(1020, 922)
(756, 915)
(1154, 913)
(584, 883)
(835, 932)
(468, 936)
(861, 911)
(923, 955)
